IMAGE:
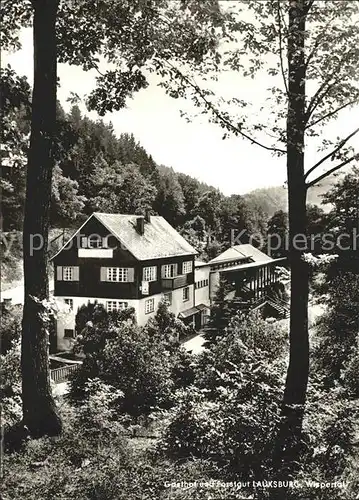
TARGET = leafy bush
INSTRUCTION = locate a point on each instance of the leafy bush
(124, 356)
(10, 387)
(146, 364)
(10, 326)
(350, 374)
(230, 415)
(165, 327)
(338, 328)
(235, 430)
(97, 413)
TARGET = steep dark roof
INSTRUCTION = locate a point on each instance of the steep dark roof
(159, 239)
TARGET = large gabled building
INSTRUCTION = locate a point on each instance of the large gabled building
(125, 261)
(137, 261)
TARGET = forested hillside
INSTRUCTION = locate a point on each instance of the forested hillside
(275, 198)
(95, 170)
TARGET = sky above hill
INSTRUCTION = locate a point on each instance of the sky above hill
(233, 165)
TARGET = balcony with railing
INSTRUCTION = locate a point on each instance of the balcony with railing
(175, 282)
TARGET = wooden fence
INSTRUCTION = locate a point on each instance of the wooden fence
(62, 374)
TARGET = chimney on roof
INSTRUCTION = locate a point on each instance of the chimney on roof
(148, 216)
(140, 225)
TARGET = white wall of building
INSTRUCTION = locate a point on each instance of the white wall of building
(66, 317)
(202, 275)
(214, 281)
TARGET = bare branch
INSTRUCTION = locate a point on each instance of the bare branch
(331, 171)
(319, 94)
(219, 115)
(328, 115)
(340, 145)
(322, 91)
(98, 71)
(281, 48)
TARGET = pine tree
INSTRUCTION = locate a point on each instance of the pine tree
(222, 312)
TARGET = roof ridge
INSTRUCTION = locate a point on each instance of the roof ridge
(123, 215)
(160, 239)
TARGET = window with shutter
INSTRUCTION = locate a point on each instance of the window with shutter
(149, 273)
(169, 271)
(59, 273)
(118, 274)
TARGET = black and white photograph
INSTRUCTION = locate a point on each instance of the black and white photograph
(179, 250)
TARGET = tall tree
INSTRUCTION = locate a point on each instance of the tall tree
(123, 189)
(128, 34)
(298, 369)
(298, 42)
(277, 234)
(169, 201)
(16, 110)
(39, 411)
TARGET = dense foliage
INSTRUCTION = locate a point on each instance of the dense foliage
(145, 363)
(337, 330)
(97, 171)
(10, 376)
(230, 413)
(219, 426)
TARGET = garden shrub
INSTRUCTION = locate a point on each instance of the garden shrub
(230, 415)
(129, 360)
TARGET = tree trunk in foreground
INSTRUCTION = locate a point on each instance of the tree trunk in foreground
(289, 435)
(39, 409)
